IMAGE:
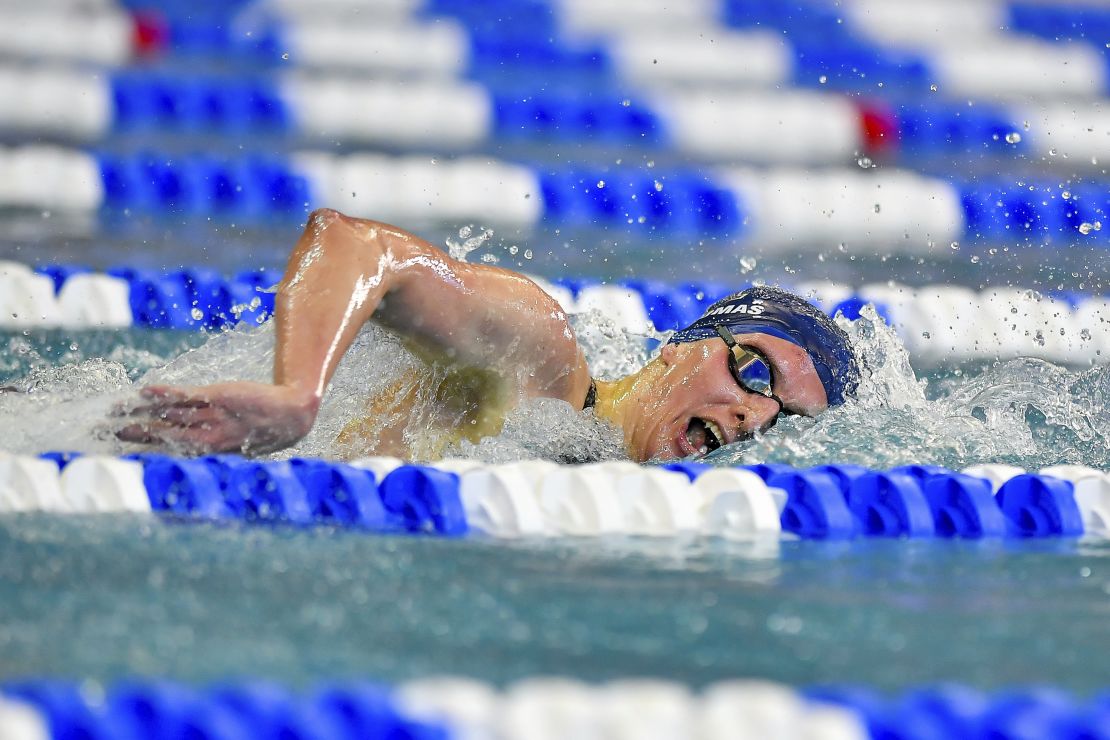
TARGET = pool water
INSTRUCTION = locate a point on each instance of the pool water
(107, 597)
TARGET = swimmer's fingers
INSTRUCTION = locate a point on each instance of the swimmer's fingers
(147, 433)
(168, 395)
(187, 416)
(161, 398)
(195, 439)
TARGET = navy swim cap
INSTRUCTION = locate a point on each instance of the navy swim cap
(766, 310)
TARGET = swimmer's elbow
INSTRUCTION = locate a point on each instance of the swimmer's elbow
(344, 230)
(322, 218)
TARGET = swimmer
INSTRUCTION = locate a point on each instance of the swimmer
(751, 358)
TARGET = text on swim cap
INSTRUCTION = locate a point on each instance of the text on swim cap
(752, 309)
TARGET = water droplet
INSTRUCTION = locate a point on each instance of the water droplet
(1066, 194)
(954, 246)
(514, 249)
(933, 87)
(823, 79)
(1013, 137)
(865, 162)
(747, 264)
(975, 259)
(285, 56)
(1085, 228)
(601, 183)
(197, 314)
(658, 186)
(878, 208)
(626, 102)
(527, 254)
(1052, 152)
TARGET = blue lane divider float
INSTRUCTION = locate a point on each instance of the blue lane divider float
(891, 505)
(164, 709)
(964, 506)
(815, 505)
(304, 491)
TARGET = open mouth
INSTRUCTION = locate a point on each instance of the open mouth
(704, 435)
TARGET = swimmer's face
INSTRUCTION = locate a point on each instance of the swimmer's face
(691, 403)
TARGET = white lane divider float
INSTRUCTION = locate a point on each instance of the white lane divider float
(26, 298)
(19, 721)
(468, 706)
(501, 501)
(1092, 495)
(31, 484)
(738, 504)
(380, 466)
(89, 484)
(552, 708)
(578, 501)
(621, 305)
(995, 473)
(96, 484)
(657, 502)
(91, 300)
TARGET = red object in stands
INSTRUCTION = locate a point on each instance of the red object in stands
(151, 34)
(880, 128)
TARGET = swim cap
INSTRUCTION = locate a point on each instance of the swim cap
(773, 311)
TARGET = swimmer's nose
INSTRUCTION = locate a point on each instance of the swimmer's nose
(757, 413)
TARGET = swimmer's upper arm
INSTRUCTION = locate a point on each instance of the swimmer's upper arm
(345, 271)
(484, 315)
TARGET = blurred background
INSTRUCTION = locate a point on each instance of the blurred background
(794, 141)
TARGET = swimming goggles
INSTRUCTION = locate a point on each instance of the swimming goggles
(750, 368)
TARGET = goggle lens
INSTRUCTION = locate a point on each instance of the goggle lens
(754, 375)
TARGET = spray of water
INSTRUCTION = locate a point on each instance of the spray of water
(1025, 412)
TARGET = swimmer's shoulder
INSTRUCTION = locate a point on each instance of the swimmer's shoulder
(562, 371)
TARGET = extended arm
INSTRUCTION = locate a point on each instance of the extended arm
(343, 272)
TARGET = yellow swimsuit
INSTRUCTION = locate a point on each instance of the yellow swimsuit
(425, 411)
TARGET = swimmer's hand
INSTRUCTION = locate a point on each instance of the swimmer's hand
(241, 416)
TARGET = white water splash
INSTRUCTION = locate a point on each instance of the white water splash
(68, 406)
(469, 239)
(1025, 412)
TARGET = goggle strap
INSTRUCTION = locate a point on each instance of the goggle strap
(726, 335)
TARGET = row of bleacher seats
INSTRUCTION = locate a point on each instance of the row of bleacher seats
(536, 498)
(891, 211)
(935, 322)
(539, 708)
